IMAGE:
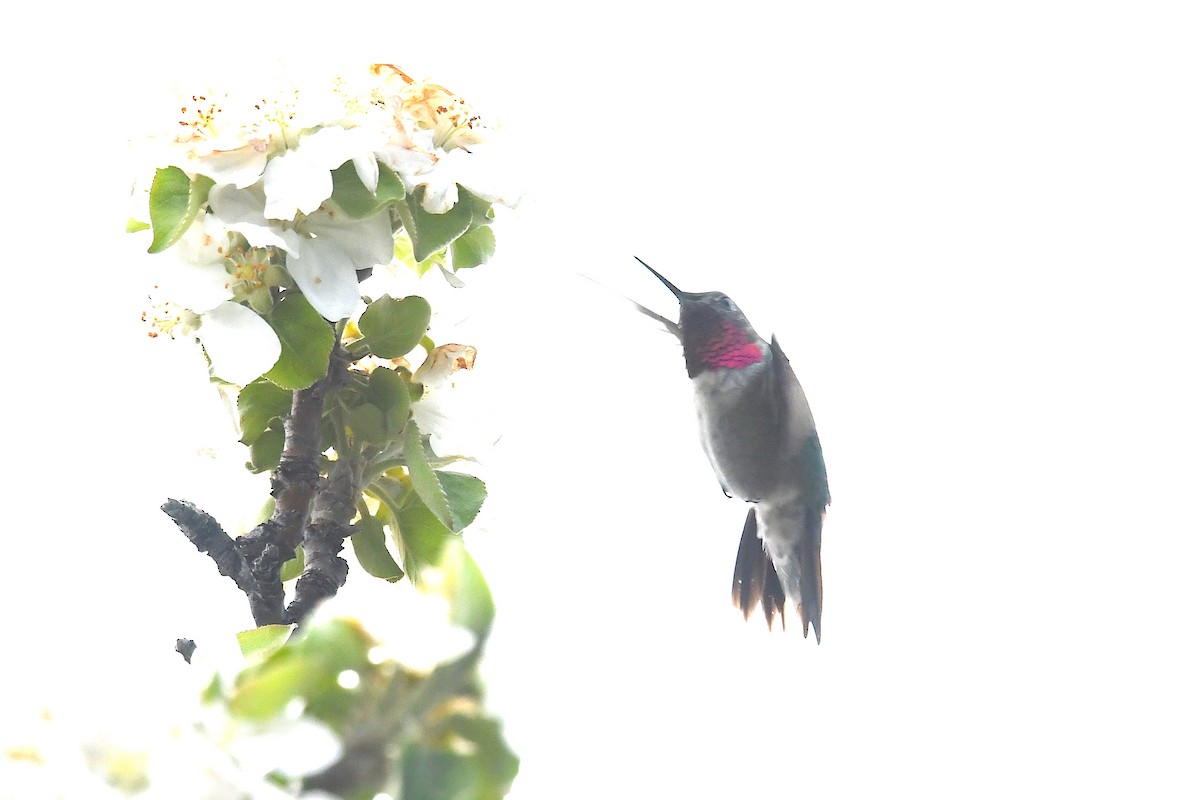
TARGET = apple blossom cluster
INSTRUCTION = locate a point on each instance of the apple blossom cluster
(307, 191)
(265, 213)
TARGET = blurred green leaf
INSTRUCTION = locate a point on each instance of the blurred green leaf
(471, 603)
(356, 199)
(258, 403)
(264, 692)
(465, 495)
(424, 480)
(337, 645)
(175, 199)
(431, 232)
(370, 547)
(497, 764)
(259, 643)
(473, 761)
(473, 248)
(394, 327)
(307, 341)
(434, 773)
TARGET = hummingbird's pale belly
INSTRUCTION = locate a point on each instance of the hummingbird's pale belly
(739, 432)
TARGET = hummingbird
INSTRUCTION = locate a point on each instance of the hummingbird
(758, 433)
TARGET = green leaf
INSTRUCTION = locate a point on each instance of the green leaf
(259, 402)
(259, 643)
(481, 210)
(431, 232)
(136, 225)
(267, 448)
(366, 424)
(307, 341)
(392, 489)
(419, 536)
(293, 567)
(403, 251)
(356, 199)
(175, 200)
(465, 494)
(394, 327)
(370, 547)
(422, 536)
(471, 603)
(388, 392)
(472, 248)
(424, 480)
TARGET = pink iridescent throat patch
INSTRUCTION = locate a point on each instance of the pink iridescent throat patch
(733, 349)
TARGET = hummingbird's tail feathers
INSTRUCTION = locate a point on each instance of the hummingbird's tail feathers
(811, 588)
(793, 544)
(754, 578)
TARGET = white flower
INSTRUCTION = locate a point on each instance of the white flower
(441, 364)
(325, 249)
(215, 140)
(192, 298)
(230, 136)
(478, 173)
(299, 180)
(432, 142)
(453, 408)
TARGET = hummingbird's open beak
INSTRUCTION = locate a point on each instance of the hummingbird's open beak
(671, 325)
(675, 291)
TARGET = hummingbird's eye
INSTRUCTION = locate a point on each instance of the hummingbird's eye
(725, 303)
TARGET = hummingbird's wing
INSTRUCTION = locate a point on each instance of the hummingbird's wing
(797, 423)
(792, 523)
(800, 439)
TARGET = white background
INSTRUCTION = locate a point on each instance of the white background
(974, 232)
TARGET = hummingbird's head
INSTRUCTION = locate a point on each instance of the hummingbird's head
(714, 331)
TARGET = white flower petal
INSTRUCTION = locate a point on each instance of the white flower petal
(192, 272)
(240, 343)
(240, 167)
(485, 174)
(482, 175)
(241, 210)
(441, 192)
(366, 242)
(301, 179)
(295, 184)
(328, 278)
(368, 171)
(325, 266)
(408, 163)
